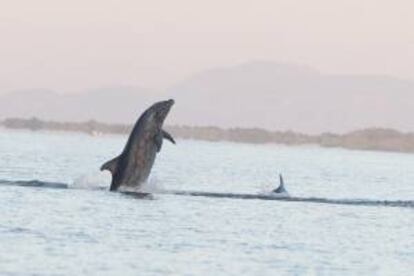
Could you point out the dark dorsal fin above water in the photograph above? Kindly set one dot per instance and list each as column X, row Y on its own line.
column 168, row 136
column 111, row 165
column 281, row 188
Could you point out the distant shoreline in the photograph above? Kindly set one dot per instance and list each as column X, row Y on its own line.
column 380, row 139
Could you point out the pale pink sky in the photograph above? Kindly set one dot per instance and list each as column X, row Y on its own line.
column 70, row 46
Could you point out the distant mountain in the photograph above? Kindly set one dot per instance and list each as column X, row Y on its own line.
column 287, row 97
column 256, row 94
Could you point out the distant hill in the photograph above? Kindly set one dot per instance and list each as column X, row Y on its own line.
column 267, row 95
column 282, row 97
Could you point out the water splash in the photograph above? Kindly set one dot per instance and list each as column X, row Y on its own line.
column 92, row 181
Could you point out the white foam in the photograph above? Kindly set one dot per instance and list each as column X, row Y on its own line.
column 91, row 181
column 150, row 186
column 153, row 185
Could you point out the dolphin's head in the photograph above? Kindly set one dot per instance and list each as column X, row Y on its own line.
column 156, row 114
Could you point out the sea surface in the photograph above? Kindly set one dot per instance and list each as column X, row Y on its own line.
column 87, row 230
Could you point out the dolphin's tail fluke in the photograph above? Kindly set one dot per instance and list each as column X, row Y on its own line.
column 281, row 189
column 111, row 165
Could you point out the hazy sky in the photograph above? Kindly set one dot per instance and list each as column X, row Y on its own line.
column 74, row 45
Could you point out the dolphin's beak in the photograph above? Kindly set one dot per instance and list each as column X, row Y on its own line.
column 171, row 102
column 168, row 104
column 162, row 109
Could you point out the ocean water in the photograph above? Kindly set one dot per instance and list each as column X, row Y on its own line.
column 86, row 230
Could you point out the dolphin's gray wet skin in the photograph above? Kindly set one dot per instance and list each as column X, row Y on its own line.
column 133, row 166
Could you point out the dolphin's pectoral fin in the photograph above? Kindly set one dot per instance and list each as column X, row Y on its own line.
column 111, row 165
column 159, row 138
column 158, row 141
column 168, row 136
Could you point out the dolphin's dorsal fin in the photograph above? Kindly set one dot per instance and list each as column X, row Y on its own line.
column 168, row 136
column 281, row 188
column 111, row 165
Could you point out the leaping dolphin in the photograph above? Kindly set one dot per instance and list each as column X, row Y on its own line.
column 133, row 166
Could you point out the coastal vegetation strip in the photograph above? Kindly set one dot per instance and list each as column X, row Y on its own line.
column 365, row 139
